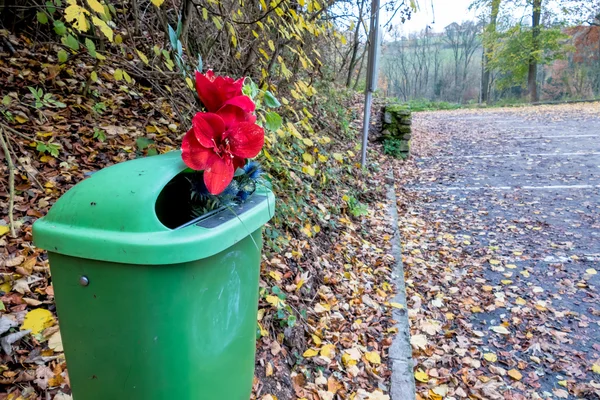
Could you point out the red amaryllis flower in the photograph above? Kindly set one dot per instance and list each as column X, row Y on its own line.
column 218, row 148
column 216, row 92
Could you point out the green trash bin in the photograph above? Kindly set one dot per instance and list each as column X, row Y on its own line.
column 149, row 309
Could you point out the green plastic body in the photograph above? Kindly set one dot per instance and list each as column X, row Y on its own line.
column 147, row 312
column 143, row 332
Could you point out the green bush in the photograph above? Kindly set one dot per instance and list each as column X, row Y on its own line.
column 392, row 147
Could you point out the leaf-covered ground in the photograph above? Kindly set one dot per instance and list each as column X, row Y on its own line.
column 324, row 321
column 500, row 218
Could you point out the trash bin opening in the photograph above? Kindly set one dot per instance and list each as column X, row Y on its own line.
column 173, row 207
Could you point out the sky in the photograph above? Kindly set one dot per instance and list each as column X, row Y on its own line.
column 443, row 14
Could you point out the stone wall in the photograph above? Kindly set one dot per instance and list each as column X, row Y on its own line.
column 396, row 125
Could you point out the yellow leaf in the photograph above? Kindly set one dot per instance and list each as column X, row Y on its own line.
column 275, row 275
column 142, row 56
column 94, row 76
column 310, row 353
column 316, row 339
column 308, row 142
column 511, row 266
column 307, row 169
column 118, row 74
column 189, row 82
column 516, row 375
column 596, row 368
column 308, row 158
column 328, row 351
column 263, row 331
column 520, row 301
column 562, row 383
column 77, row 14
column 6, row 287
column 273, row 300
column 127, row 77
column 217, row 22
column 397, row 305
column 37, row 320
column 104, row 28
column 491, row 357
column 591, row 271
column 4, row 230
column 421, row 376
column 271, row 45
column 494, row 262
column 158, row 3
column 118, row 39
column 21, row 119
column 96, row 6
column 373, row 357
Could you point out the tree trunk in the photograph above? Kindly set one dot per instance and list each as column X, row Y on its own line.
column 535, row 46
column 355, row 45
column 485, row 77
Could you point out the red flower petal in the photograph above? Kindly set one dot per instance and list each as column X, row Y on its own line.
column 219, row 174
column 208, row 92
column 243, row 102
column 228, row 87
column 238, row 162
column 245, row 139
column 195, row 155
column 208, row 128
column 214, row 91
column 233, row 115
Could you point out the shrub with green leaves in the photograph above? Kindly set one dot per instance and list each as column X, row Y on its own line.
column 392, row 147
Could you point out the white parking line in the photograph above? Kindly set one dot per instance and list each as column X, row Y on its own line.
column 593, row 153
column 553, row 137
column 472, row 188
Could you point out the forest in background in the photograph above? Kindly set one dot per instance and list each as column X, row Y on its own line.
column 517, row 51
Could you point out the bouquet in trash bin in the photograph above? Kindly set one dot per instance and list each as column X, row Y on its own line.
column 219, row 144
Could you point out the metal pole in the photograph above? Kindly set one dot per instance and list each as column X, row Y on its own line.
column 366, row 124
column 371, row 86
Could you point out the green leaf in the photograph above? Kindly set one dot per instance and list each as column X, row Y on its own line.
column 41, row 147
column 70, row 41
column 63, row 56
column 6, row 100
column 271, row 101
column 42, row 17
column 274, row 121
column 50, row 7
column 99, row 134
column 142, row 143
column 91, row 47
column 60, row 28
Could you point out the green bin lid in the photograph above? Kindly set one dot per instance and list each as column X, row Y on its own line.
column 112, row 216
